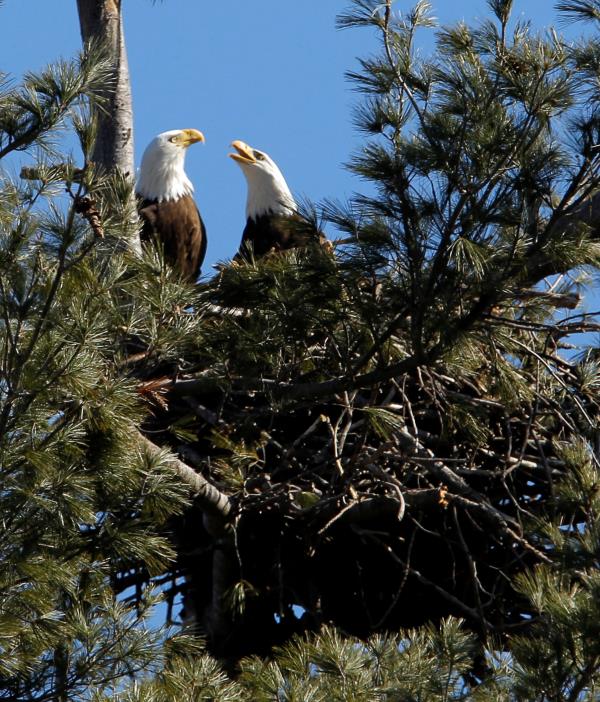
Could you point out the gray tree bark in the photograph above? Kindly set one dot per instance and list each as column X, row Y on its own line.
column 101, row 21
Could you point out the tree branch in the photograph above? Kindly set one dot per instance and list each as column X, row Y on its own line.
column 586, row 214
column 216, row 505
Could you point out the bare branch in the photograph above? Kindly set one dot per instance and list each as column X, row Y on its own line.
column 213, row 502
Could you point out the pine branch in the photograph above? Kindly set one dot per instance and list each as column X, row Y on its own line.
column 586, row 215
column 215, row 503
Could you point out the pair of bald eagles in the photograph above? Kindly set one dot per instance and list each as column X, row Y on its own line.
column 170, row 217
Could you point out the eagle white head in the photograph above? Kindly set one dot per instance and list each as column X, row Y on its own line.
column 162, row 176
column 268, row 193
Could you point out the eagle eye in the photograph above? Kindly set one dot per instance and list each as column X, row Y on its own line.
column 258, row 156
column 173, row 139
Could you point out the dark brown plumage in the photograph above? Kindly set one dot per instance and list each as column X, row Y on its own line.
column 168, row 213
column 273, row 233
column 176, row 226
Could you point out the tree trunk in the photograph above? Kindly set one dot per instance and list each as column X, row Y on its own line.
column 101, row 21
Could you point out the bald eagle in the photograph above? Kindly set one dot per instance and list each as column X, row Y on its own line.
column 166, row 207
column 272, row 221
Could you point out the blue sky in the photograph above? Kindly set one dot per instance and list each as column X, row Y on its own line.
column 269, row 72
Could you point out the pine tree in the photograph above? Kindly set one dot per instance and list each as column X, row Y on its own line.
column 79, row 493
column 102, row 23
column 389, row 422
column 370, row 475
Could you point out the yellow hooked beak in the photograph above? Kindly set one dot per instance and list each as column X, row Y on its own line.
column 244, row 153
column 187, row 137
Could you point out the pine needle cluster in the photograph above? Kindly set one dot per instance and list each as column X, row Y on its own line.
column 82, row 503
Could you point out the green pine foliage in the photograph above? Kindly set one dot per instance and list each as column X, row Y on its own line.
column 400, row 407
column 558, row 660
column 393, row 446
column 81, row 502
